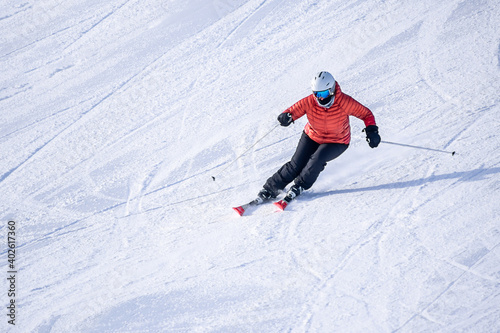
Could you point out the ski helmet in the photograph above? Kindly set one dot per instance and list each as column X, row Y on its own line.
column 323, row 87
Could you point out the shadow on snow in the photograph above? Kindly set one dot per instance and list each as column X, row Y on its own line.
column 473, row 175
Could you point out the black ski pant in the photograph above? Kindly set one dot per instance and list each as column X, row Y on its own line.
column 309, row 159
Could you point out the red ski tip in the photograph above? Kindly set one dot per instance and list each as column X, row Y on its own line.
column 239, row 210
column 281, row 204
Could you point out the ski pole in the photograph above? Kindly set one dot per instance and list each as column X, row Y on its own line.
column 237, row 158
column 418, row 147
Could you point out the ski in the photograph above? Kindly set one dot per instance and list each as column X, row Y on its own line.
column 281, row 204
column 241, row 209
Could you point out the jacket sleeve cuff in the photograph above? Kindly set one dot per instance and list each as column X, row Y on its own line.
column 370, row 120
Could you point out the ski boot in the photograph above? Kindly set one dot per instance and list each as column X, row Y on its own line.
column 292, row 193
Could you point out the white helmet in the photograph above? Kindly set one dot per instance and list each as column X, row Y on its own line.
column 323, row 87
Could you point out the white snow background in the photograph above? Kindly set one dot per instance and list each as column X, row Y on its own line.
column 115, row 115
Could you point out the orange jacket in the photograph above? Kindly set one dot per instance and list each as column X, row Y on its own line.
column 331, row 125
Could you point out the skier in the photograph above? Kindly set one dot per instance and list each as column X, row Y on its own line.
column 325, row 137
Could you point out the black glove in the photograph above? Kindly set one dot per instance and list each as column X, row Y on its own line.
column 285, row 119
column 372, row 136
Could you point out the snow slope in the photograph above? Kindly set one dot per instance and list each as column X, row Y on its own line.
column 114, row 117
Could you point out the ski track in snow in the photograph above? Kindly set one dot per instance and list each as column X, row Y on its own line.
column 112, row 134
column 65, row 130
column 84, row 117
column 422, row 312
column 372, row 233
column 428, row 37
column 96, row 24
column 253, row 14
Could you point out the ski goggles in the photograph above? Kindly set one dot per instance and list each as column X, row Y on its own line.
column 322, row 94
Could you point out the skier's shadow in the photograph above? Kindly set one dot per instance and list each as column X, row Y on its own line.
column 464, row 176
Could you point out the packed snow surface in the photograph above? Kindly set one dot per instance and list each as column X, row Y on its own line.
column 115, row 116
